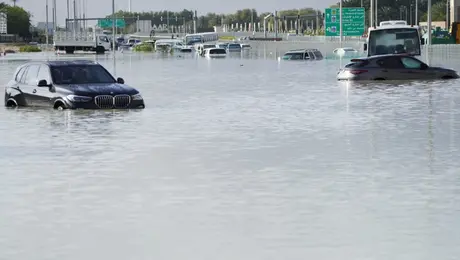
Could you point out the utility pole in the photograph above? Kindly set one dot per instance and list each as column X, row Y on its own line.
column 47, row 26
column 376, row 12
column 371, row 15
column 341, row 24
column 276, row 23
column 52, row 14
column 68, row 14
column 113, row 35
column 410, row 14
column 447, row 14
column 416, row 12
column 74, row 18
column 167, row 20
column 317, row 23
column 194, row 22
column 252, row 21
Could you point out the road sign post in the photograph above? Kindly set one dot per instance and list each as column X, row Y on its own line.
column 107, row 23
column 352, row 21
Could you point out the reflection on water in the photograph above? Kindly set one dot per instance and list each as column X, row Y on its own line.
column 240, row 158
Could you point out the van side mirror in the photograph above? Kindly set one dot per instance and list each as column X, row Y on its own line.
column 120, row 81
column 365, row 47
column 422, row 41
column 42, row 83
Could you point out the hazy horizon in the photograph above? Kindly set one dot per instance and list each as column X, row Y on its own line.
column 100, row 9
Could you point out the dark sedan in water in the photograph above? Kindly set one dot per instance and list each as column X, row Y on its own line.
column 392, row 67
column 78, row 84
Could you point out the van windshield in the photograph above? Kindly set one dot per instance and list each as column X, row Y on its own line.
column 80, row 74
column 393, row 41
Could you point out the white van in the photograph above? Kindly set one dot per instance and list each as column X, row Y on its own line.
column 215, row 53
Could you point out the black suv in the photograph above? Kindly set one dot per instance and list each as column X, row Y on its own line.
column 69, row 85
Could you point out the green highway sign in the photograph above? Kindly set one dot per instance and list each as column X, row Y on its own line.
column 107, row 23
column 352, row 21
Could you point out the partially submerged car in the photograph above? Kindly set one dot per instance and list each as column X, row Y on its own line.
column 75, row 84
column 392, row 67
column 346, row 52
column 303, row 54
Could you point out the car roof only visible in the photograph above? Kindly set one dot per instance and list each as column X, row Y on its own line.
column 58, row 63
column 385, row 55
column 71, row 62
column 301, row 50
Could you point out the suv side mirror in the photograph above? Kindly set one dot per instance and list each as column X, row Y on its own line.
column 120, row 81
column 422, row 41
column 365, row 47
column 43, row 83
column 423, row 66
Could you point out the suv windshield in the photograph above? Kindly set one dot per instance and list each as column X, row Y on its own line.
column 80, row 74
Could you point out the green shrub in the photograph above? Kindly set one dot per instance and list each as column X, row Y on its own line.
column 143, row 48
column 29, row 48
column 227, row 38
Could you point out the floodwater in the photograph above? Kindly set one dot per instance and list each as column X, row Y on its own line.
column 236, row 158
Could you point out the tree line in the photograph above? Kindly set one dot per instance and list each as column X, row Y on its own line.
column 387, row 10
column 209, row 20
column 17, row 21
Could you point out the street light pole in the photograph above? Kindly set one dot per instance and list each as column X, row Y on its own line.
column 371, row 15
column 341, row 29
column 411, row 5
column 113, row 35
column 47, row 26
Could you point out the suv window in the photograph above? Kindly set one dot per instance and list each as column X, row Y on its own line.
column 19, row 74
column 410, row 63
column 31, row 77
column 318, row 55
column 294, row 56
column 44, row 73
column 23, row 75
column 390, row 63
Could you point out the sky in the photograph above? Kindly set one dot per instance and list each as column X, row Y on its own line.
column 101, row 8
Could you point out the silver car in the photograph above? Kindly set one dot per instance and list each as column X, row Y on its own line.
column 392, row 67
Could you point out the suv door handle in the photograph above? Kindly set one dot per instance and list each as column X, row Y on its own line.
column 34, row 91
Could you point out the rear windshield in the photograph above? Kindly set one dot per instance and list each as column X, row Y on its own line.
column 357, row 64
column 80, row 74
column 234, row 46
column 217, row 51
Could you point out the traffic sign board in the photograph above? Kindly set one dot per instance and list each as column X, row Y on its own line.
column 353, row 21
column 107, row 23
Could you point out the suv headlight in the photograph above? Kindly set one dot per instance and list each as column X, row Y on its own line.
column 75, row 98
column 136, row 97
